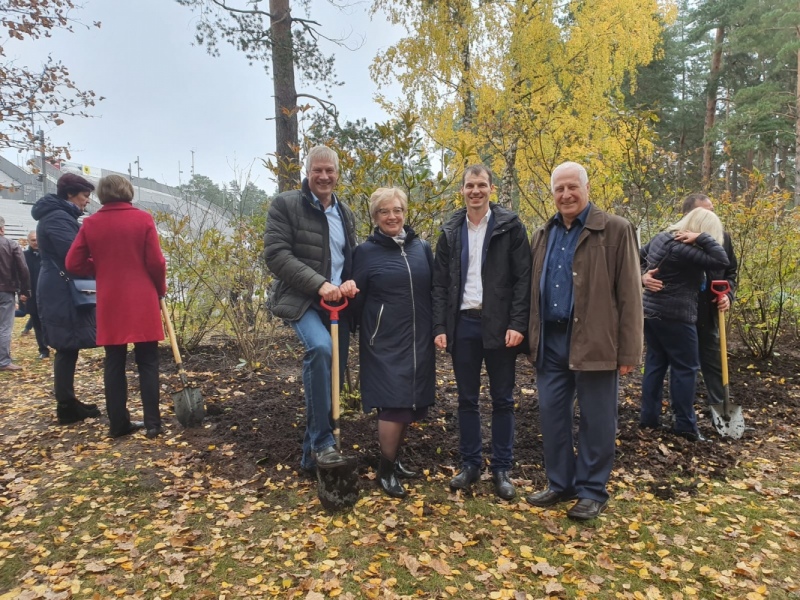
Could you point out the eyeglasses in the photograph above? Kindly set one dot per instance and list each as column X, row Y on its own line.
column 385, row 212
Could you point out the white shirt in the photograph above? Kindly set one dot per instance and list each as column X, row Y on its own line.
column 473, row 287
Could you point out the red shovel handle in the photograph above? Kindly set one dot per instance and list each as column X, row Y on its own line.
column 720, row 287
column 334, row 310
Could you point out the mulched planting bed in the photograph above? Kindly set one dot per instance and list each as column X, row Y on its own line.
column 256, row 421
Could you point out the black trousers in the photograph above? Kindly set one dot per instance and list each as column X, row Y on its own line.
column 36, row 324
column 64, row 376
column 116, row 385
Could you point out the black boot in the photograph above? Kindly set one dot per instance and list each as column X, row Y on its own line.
column 402, row 472
column 388, row 479
column 86, row 411
column 67, row 413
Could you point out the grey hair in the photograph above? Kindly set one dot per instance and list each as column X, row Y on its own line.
column 583, row 176
column 382, row 195
column 2, row 222
column 700, row 220
column 323, row 153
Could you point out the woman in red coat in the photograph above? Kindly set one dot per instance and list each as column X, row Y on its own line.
column 119, row 246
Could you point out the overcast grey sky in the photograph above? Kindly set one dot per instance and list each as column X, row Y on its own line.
column 166, row 97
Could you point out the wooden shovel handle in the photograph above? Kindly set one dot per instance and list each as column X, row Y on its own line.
column 171, row 334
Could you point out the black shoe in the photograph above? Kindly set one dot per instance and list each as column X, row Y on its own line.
column 692, row 436
column 133, row 427
column 503, row 487
column 388, row 480
column 154, row 432
column 44, row 355
column 330, row 458
column 87, row 411
column 402, row 472
column 548, row 497
column 67, row 415
column 310, row 472
column 586, row 509
column 468, row 475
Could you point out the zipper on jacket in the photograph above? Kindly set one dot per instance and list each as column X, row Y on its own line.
column 413, row 324
column 377, row 326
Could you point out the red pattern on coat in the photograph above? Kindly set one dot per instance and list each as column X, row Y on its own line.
column 119, row 246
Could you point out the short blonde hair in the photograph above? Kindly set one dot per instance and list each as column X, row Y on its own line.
column 114, row 188
column 701, row 220
column 383, row 195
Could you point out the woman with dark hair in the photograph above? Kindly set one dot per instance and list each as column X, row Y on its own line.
column 65, row 327
column 393, row 270
column 119, row 245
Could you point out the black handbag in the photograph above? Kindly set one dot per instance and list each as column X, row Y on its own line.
column 83, row 291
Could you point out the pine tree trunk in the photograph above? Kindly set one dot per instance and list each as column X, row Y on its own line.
column 797, row 134
column 711, row 108
column 286, row 140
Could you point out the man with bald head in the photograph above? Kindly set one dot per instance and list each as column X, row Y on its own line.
column 585, row 329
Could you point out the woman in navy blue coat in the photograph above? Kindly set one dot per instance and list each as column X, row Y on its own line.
column 65, row 327
column 393, row 270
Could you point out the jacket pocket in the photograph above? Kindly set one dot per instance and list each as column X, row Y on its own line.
column 377, row 325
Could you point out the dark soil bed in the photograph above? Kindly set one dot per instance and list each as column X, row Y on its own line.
column 256, row 421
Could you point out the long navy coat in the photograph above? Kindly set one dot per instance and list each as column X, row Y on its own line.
column 64, row 326
column 396, row 351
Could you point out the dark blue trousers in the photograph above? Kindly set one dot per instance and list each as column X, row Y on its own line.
column 673, row 345
column 468, row 356
column 586, row 474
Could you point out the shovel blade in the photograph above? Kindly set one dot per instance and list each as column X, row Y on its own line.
column 728, row 423
column 189, row 407
column 337, row 488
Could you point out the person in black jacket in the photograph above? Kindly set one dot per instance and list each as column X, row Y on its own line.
column 481, row 304
column 65, row 327
column 34, row 262
column 308, row 246
column 679, row 258
column 708, row 308
column 393, row 270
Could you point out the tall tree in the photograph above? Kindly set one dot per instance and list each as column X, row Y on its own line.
column 33, row 98
column 544, row 78
column 284, row 43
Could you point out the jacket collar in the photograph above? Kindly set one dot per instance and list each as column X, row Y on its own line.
column 502, row 217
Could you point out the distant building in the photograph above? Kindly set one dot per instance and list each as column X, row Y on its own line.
column 20, row 189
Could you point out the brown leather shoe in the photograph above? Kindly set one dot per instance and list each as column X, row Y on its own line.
column 586, row 509
column 548, row 497
column 11, row 367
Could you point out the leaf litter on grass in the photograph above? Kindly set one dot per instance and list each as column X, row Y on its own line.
column 221, row 512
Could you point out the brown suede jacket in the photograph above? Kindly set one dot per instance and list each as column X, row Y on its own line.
column 14, row 276
column 607, row 317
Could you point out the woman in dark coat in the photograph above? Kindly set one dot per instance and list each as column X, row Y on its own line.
column 681, row 255
column 65, row 328
column 393, row 270
column 119, row 244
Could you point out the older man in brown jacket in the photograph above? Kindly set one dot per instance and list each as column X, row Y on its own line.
column 14, row 278
column 585, row 330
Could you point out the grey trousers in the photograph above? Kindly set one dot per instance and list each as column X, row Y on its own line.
column 6, row 326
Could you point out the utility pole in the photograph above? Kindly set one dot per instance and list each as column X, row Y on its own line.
column 138, row 179
column 179, row 174
column 192, row 163
column 44, row 164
